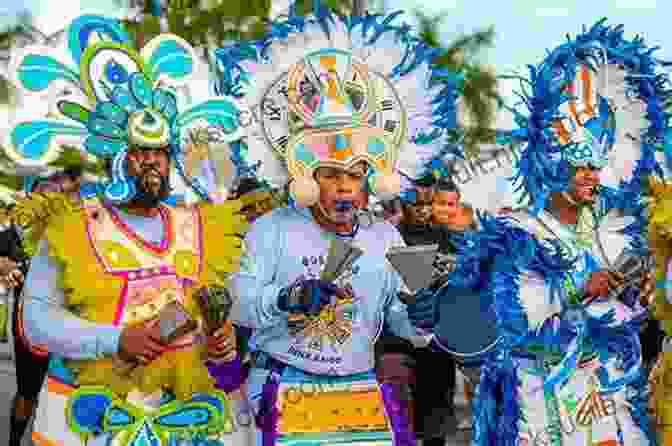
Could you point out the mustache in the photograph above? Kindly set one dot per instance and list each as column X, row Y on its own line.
column 146, row 195
column 147, row 169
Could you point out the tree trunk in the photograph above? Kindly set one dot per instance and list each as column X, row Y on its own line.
column 358, row 7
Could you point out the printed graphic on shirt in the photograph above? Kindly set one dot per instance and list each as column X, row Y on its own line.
column 327, row 331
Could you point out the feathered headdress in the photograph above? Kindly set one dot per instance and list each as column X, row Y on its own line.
column 570, row 102
column 326, row 90
column 124, row 98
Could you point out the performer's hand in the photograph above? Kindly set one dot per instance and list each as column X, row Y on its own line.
column 601, row 282
column 647, row 293
column 655, row 379
column 7, row 265
column 422, row 309
column 14, row 279
column 307, row 296
column 141, row 343
column 222, row 343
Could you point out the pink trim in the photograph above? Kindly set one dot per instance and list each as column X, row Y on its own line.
column 61, row 382
column 198, row 220
column 122, row 300
column 164, row 271
column 168, row 230
column 92, row 242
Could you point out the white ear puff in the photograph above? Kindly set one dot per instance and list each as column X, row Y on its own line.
column 304, row 191
column 386, row 186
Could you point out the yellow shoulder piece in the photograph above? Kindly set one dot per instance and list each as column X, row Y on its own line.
column 223, row 227
column 660, row 241
column 36, row 211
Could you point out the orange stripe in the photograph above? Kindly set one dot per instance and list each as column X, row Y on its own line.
column 342, row 154
column 37, row 350
column 58, row 387
column 39, row 440
column 587, row 78
column 563, row 134
column 571, row 89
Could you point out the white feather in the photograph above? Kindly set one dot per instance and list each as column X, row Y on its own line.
column 381, row 57
column 630, row 123
column 340, row 37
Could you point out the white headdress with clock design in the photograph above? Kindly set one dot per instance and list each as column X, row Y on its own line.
column 325, row 90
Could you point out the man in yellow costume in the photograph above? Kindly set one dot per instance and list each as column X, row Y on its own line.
column 660, row 241
column 124, row 291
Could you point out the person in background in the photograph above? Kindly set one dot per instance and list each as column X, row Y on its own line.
column 450, row 213
column 5, row 267
column 31, row 364
column 30, row 369
column 432, row 387
column 257, row 200
column 393, row 211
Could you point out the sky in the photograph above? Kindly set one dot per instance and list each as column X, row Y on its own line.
column 525, row 29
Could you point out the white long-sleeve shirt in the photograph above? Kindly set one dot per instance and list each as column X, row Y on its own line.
column 287, row 245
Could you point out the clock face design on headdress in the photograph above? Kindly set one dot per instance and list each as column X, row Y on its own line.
column 328, row 89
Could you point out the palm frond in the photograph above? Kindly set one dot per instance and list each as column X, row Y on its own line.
column 341, row 7
column 479, row 85
column 72, row 157
column 6, row 90
column 9, row 181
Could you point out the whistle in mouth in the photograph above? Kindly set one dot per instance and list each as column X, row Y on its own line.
column 342, row 205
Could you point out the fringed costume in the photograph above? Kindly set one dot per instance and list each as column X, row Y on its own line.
column 660, row 242
column 98, row 269
column 329, row 91
column 568, row 367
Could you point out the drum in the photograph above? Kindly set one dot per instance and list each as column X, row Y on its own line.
column 467, row 324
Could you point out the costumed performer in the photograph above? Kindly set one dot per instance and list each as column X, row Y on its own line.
column 337, row 97
column 570, row 271
column 660, row 241
column 124, row 291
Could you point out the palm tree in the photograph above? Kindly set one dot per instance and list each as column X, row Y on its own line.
column 479, row 87
column 209, row 23
column 7, row 39
column 203, row 23
column 339, row 6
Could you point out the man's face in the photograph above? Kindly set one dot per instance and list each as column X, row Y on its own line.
column 151, row 168
column 583, row 184
column 446, row 207
column 420, row 212
column 393, row 213
column 340, row 191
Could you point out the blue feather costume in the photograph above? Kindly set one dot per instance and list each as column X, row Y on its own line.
column 567, row 370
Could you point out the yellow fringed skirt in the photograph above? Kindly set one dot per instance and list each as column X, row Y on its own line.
column 181, row 371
